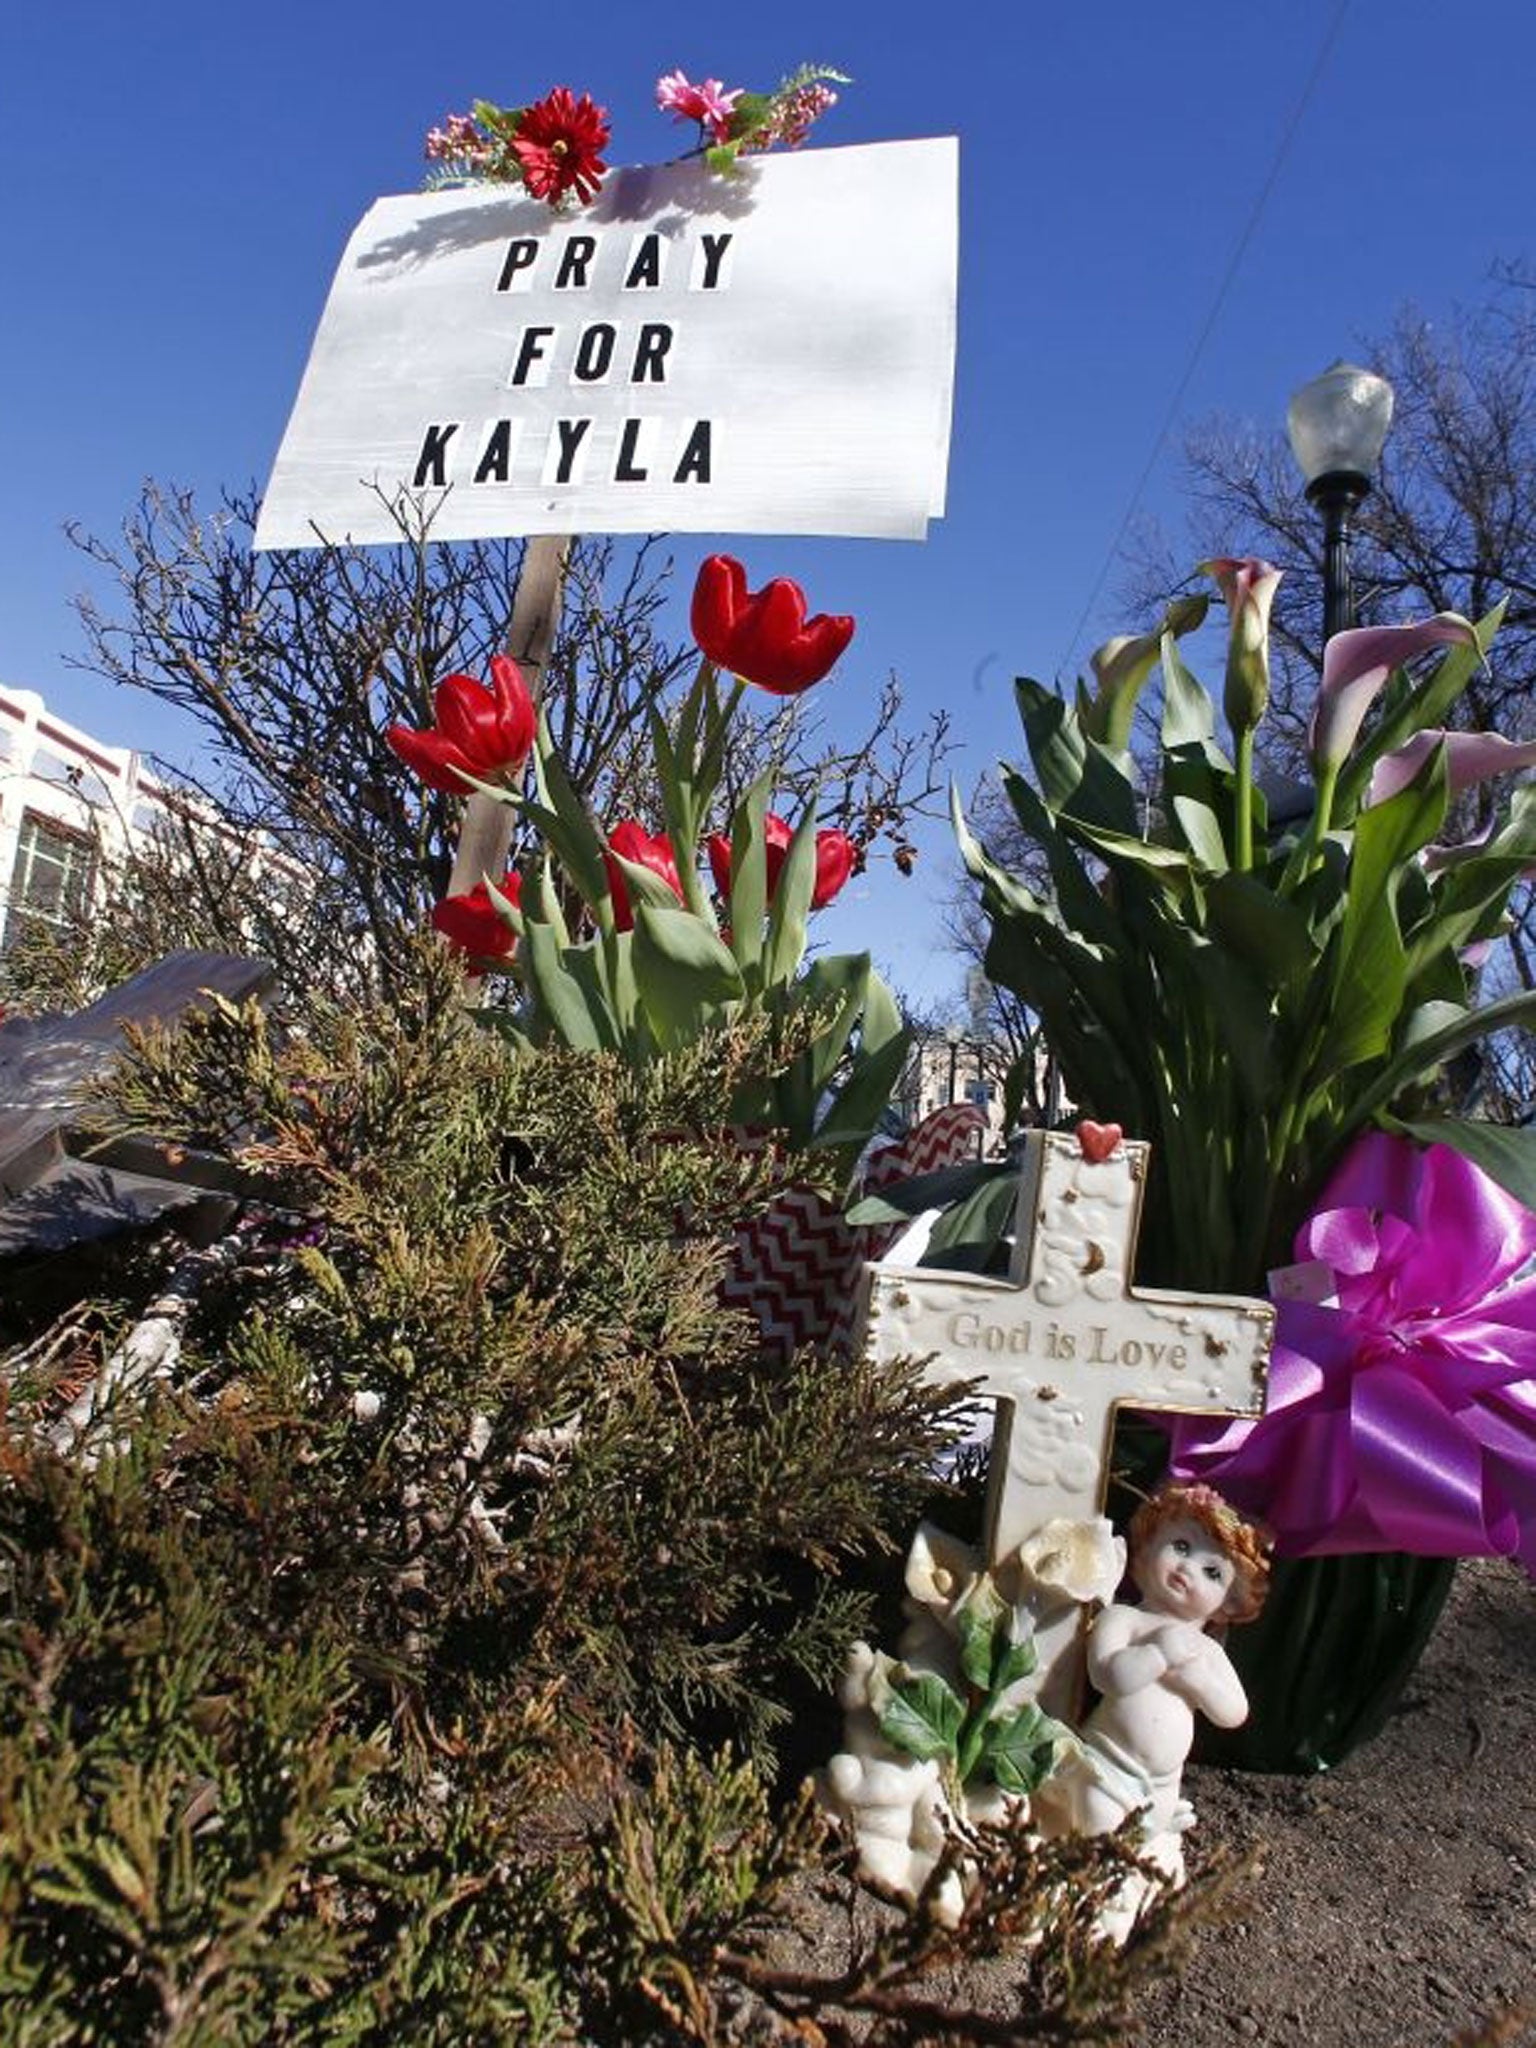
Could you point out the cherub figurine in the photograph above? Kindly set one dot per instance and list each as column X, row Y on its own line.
column 1194, row 1560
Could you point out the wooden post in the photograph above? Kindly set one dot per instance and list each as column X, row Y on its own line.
column 486, row 833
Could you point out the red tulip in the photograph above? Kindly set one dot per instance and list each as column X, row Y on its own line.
column 763, row 635
column 777, row 835
column 836, row 858
column 630, row 840
column 481, row 733
column 473, row 925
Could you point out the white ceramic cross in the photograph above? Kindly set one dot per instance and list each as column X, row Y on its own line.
column 1065, row 1340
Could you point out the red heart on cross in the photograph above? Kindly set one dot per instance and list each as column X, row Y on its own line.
column 1097, row 1141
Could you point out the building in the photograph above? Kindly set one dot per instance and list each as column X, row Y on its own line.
column 68, row 802
column 71, row 805
column 945, row 1067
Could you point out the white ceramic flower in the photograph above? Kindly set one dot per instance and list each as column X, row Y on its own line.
column 1079, row 1561
column 940, row 1568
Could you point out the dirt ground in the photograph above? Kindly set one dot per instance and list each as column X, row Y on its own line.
column 1396, row 1902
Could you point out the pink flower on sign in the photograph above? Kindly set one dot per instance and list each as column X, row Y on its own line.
column 709, row 103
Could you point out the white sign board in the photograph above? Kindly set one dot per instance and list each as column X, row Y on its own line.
column 769, row 353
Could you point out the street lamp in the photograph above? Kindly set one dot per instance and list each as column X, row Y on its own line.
column 1338, row 425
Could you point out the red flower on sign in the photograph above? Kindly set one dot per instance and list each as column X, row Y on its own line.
column 558, row 143
column 481, row 733
column 764, row 635
column 836, row 858
column 630, row 840
column 473, row 925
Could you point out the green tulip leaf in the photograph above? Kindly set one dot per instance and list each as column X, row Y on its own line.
column 749, row 874
column 571, row 1002
column 899, row 1201
column 561, row 818
column 966, row 1236
column 857, row 1106
column 643, row 885
column 685, row 975
column 547, row 904
column 789, row 914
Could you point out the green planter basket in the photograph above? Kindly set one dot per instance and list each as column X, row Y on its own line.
column 1326, row 1662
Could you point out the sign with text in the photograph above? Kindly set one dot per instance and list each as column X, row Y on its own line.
column 767, row 353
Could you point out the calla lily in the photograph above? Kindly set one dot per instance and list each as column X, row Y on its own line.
column 1355, row 665
column 1248, row 586
column 1470, row 758
column 1122, row 665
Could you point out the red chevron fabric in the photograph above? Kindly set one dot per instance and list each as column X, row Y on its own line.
column 796, row 1265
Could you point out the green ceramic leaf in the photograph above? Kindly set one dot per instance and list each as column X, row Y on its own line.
column 1020, row 1754
column 977, row 1624
column 1014, row 1657
column 923, row 1715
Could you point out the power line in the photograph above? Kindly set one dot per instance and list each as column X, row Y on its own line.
column 1234, row 263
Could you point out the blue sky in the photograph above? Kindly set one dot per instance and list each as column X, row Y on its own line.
column 183, row 179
